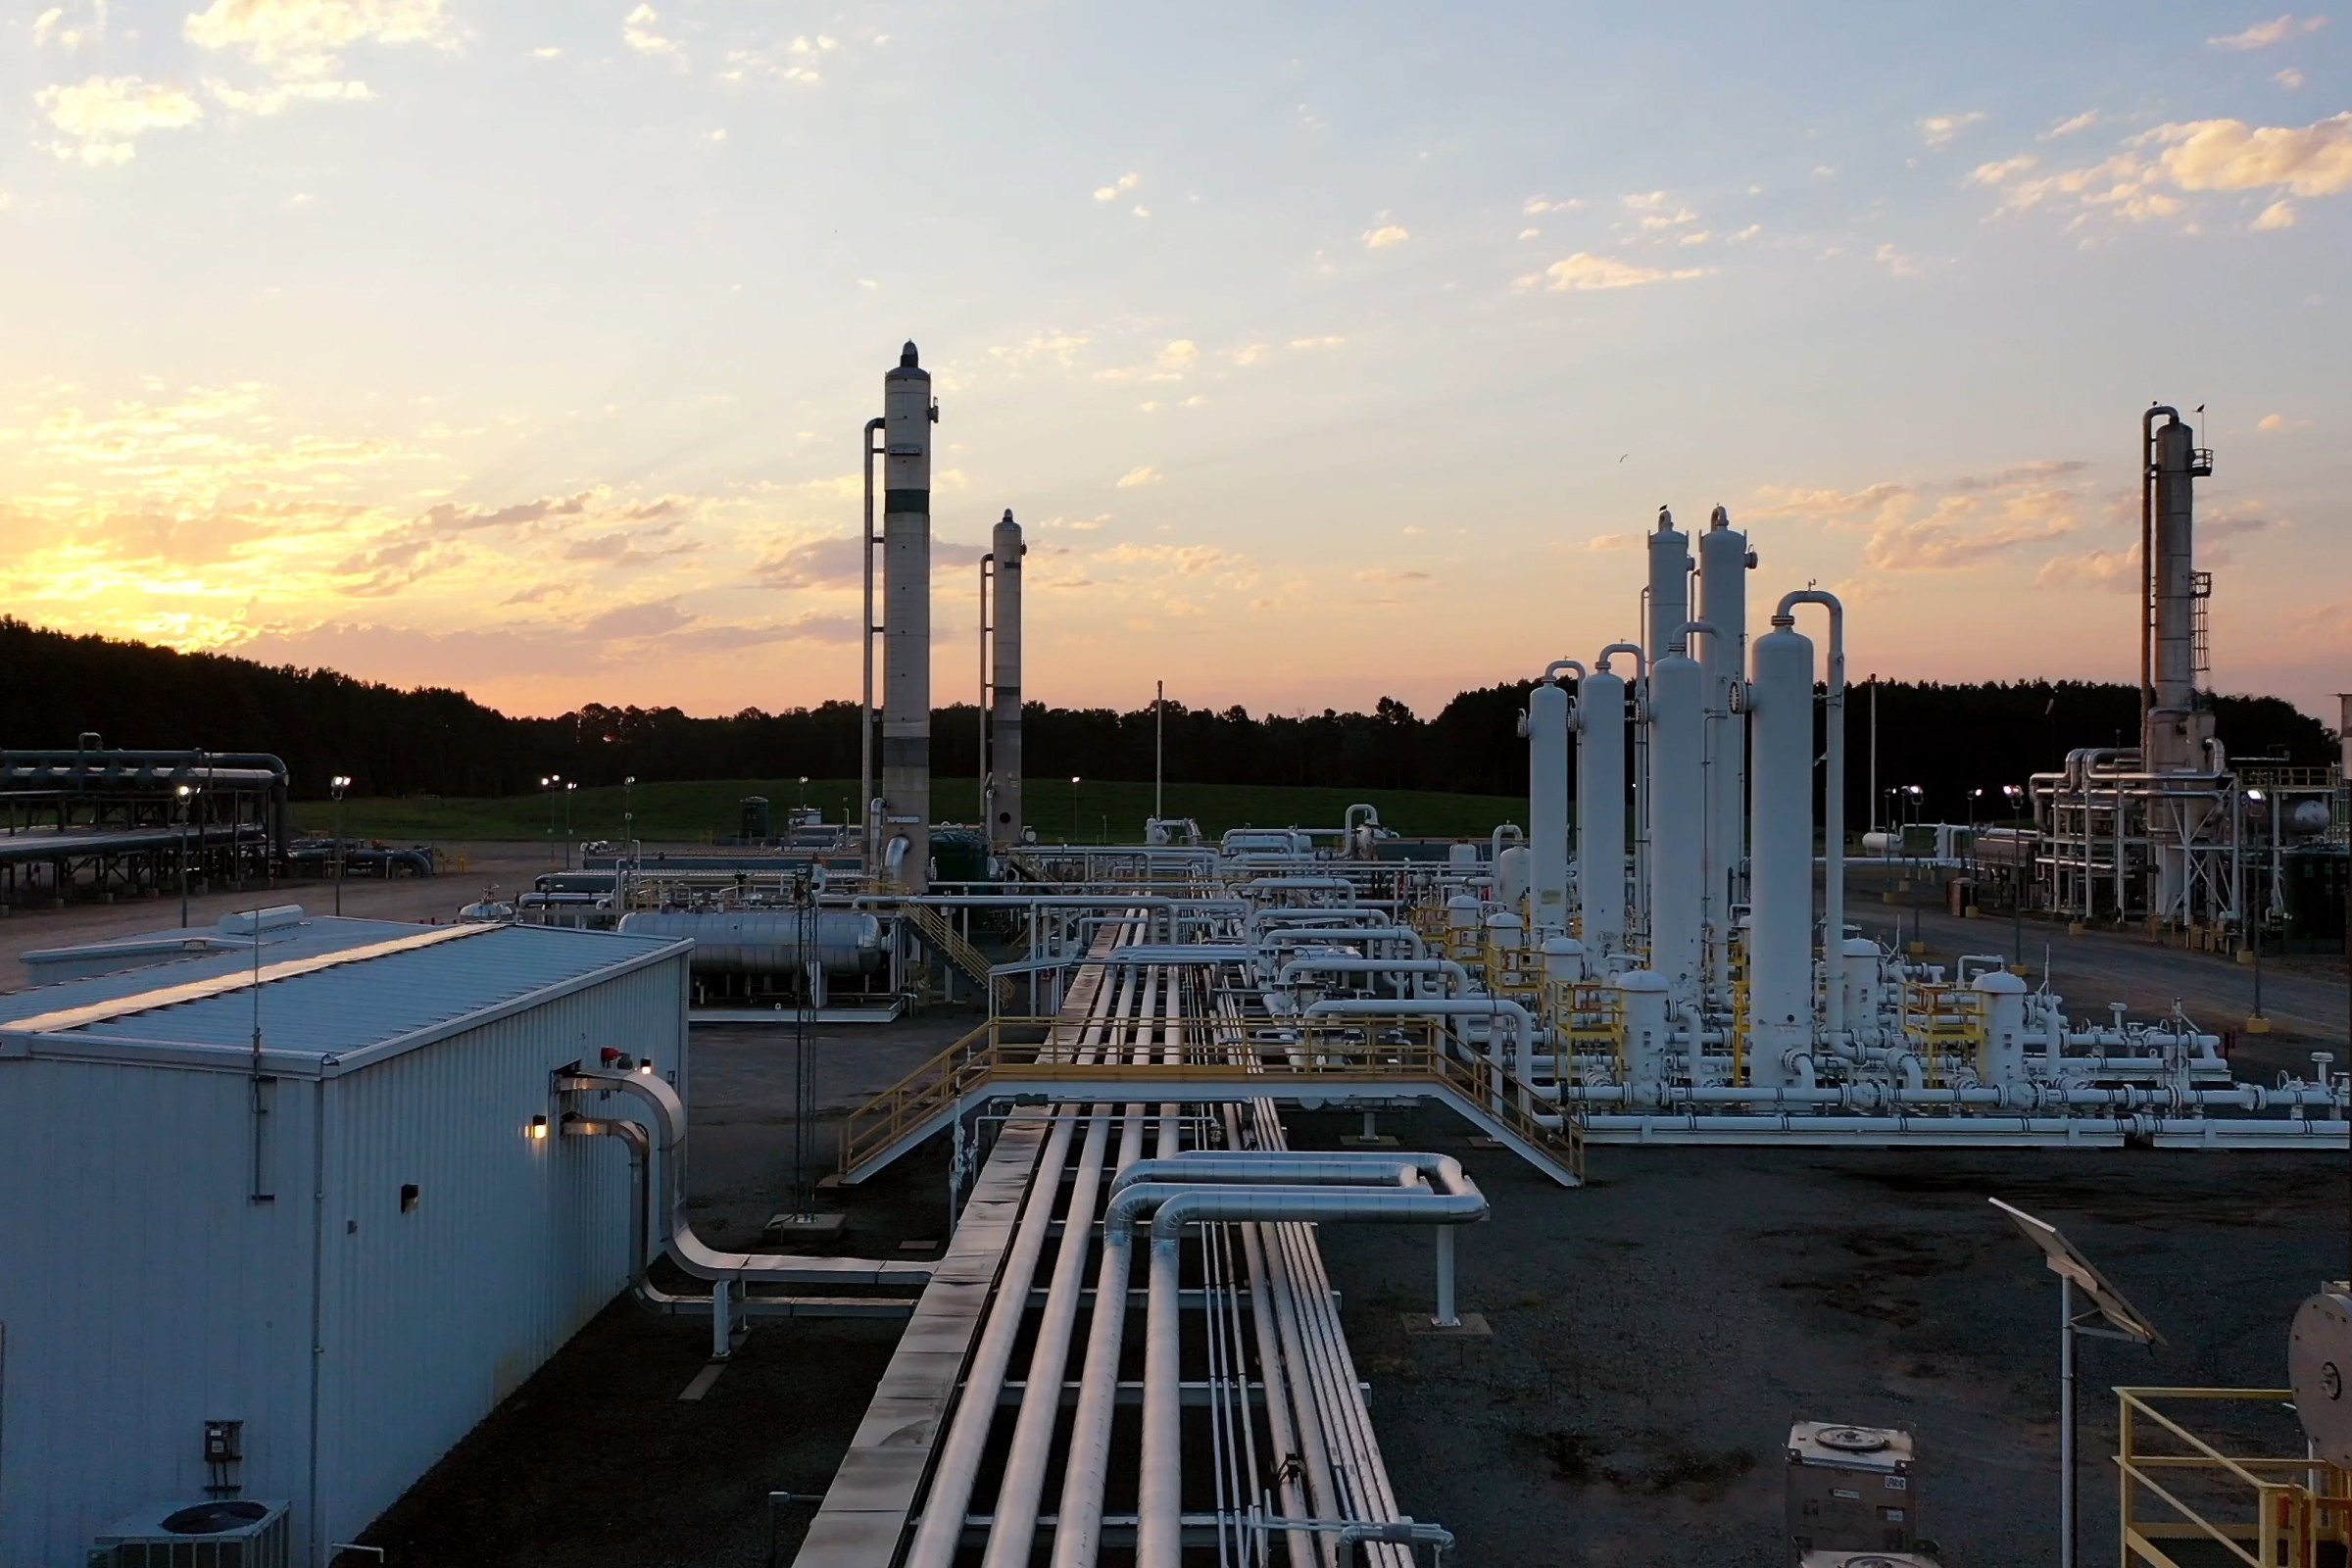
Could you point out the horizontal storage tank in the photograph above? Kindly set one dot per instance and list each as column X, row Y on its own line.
column 767, row 941
column 356, row 1242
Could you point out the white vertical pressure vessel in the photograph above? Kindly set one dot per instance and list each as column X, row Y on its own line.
column 907, row 622
column 2002, row 996
column 1723, row 566
column 1779, row 940
column 1548, row 806
column 1601, row 811
column 1865, row 990
column 1005, row 827
column 1648, row 1036
column 1512, row 868
column 1677, row 821
column 1669, row 585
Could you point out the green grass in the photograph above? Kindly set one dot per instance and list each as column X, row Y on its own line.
column 1113, row 812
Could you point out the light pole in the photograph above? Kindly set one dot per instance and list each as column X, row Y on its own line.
column 547, row 785
column 337, row 786
column 1918, row 943
column 2017, row 886
column 181, row 811
column 628, row 816
column 1073, row 807
column 2256, row 1023
column 568, row 786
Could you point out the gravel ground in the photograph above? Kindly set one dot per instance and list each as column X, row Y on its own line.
column 1655, row 1335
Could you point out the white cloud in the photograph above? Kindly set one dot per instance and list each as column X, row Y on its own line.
column 104, row 117
column 306, row 37
column 2290, row 79
column 1387, row 234
column 1897, row 262
column 1747, row 234
column 2072, row 123
column 272, row 99
column 1585, row 271
column 1143, row 473
column 1993, row 174
column 2279, row 214
column 1118, row 187
column 2263, row 35
column 1531, row 233
column 1141, row 211
column 2314, row 160
column 720, row 134
column 1179, row 354
column 551, row 52
column 63, row 26
column 1937, row 130
column 1700, row 237
column 1331, row 340
column 1537, row 206
column 640, row 30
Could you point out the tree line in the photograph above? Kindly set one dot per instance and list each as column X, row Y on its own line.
column 1947, row 739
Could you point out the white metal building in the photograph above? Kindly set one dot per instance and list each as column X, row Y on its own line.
column 345, row 1236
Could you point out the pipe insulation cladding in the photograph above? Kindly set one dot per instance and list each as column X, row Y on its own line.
column 907, row 416
column 1779, row 937
column 1548, row 806
column 767, row 941
column 1006, row 821
column 1601, row 810
column 1677, row 820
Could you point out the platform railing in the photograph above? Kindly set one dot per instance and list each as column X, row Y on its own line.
column 1376, row 1051
column 2177, row 1488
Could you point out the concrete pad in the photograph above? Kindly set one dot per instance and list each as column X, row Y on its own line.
column 1473, row 1326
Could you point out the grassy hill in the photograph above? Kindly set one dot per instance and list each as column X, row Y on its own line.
column 1107, row 813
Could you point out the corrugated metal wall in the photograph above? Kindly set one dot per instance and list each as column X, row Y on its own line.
column 434, row 1316
column 142, row 1291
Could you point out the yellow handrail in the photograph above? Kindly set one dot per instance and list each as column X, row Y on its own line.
column 2271, row 1512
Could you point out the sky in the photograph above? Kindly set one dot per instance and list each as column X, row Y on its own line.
column 1325, row 352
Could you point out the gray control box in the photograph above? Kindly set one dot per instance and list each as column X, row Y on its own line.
column 1852, row 1490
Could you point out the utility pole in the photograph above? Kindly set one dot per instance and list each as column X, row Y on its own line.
column 337, row 785
column 1159, row 731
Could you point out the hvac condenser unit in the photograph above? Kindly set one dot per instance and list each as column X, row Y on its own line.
column 1851, row 1492
column 219, row 1532
column 1867, row 1559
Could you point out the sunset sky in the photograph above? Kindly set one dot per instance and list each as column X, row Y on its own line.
column 1327, row 351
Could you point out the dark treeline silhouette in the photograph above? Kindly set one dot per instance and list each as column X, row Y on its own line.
column 1947, row 739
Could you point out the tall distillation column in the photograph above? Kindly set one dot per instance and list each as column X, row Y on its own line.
column 1780, row 936
column 1004, row 664
column 1677, row 821
column 1669, row 596
column 2175, row 728
column 1548, row 807
column 1723, row 561
column 905, row 830
column 1601, row 810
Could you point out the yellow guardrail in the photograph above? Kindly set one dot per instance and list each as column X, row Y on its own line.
column 2263, row 1511
column 1372, row 1051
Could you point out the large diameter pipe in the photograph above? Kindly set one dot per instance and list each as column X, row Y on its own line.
column 1677, row 822
column 1780, row 936
column 1601, row 810
column 1548, row 807
column 907, row 412
column 1006, row 821
column 1158, row 1512
column 767, row 941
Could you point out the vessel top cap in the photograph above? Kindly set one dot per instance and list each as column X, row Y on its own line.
column 907, row 359
column 1008, row 513
column 1665, row 518
column 1722, row 517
